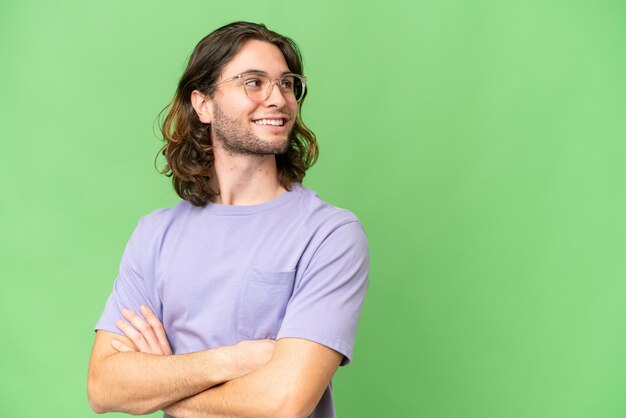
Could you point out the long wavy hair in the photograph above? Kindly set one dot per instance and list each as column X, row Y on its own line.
column 188, row 147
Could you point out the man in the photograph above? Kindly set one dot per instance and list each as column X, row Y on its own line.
column 243, row 299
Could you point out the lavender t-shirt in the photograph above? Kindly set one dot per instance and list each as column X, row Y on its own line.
column 291, row 267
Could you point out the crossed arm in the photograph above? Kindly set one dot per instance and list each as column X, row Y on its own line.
column 138, row 374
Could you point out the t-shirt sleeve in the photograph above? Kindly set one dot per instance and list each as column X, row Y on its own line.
column 134, row 284
column 326, row 303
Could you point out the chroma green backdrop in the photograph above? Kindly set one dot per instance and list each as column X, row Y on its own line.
column 481, row 143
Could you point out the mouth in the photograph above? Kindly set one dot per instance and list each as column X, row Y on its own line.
column 271, row 122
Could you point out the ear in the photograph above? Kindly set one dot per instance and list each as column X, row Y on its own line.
column 203, row 106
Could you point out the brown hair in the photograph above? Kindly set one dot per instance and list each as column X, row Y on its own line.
column 188, row 147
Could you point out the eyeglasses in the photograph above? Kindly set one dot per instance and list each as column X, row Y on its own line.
column 258, row 86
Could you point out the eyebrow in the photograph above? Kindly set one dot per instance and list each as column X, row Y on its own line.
column 254, row 70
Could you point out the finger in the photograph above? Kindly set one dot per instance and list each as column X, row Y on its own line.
column 121, row 347
column 146, row 331
column 158, row 329
column 133, row 335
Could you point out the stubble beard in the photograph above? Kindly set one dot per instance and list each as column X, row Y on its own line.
column 235, row 139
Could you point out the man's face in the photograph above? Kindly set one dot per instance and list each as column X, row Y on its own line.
column 242, row 126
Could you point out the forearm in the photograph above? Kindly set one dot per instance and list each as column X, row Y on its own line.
column 140, row 383
column 259, row 394
column 290, row 385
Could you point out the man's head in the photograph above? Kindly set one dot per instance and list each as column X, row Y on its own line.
column 205, row 82
column 253, row 105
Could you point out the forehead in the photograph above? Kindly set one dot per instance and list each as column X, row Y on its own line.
column 256, row 55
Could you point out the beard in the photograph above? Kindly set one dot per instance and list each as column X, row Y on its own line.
column 235, row 139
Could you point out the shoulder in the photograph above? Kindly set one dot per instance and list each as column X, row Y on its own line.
column 320, row 212
column 328, row 225
column 155, row 225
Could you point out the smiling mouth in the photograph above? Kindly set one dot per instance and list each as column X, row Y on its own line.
column 273, row 122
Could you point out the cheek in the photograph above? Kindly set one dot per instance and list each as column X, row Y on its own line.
column 293, row 110
column 238, row 108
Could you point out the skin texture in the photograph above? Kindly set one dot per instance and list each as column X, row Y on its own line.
column 232, row 114
column 236, row 140
column 242, row 175
column 136, row 372
column 149, row 339
column 289, row 385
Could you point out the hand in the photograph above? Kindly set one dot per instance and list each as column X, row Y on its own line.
column 148, row 337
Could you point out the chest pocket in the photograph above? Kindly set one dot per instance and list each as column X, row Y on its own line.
column 263, row 303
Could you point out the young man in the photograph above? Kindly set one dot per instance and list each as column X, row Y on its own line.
column 243, row 299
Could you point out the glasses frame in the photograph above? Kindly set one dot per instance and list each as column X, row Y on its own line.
column 270, row 87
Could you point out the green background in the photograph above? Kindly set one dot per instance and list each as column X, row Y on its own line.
column 481, row 143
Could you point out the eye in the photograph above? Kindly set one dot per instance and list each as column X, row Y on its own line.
column 253, row 83
column 286, row 83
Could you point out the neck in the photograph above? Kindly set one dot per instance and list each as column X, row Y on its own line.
column 245, row 179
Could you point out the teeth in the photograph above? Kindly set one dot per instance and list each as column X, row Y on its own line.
column 275, row 122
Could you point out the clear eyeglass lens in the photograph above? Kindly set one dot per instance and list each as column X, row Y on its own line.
column 258, row 86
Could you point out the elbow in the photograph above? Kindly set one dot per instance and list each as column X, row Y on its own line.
column 292, row 411
column 292, row 404
column 100, row 401
column 99, row 406
column 97, row 394
column 99, row 397
column 95, row 398
column 96, row 407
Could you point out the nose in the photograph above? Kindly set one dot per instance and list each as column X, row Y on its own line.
column 275, row 96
